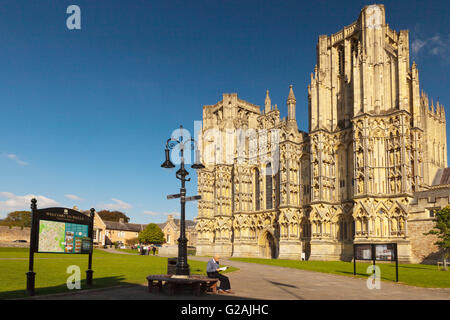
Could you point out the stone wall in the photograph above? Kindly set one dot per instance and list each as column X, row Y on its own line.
column 15, row 233
column 423, row 249
column 10, row 244
column 168, row 250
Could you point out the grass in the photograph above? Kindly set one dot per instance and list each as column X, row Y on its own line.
column 411, row 274
column 110, row 269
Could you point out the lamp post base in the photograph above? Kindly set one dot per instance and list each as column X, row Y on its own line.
column 183, row 270
column 182, row 267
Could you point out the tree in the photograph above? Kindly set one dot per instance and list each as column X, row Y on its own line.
column 113, row 216
column 17, row 219
column 151, row 234
column 442, row 230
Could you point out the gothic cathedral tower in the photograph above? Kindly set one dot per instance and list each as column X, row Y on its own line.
column 374, row 140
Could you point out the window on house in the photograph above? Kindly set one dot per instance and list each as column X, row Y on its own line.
column 432, row 212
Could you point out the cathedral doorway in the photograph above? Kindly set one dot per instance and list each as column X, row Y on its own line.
column 268, row 246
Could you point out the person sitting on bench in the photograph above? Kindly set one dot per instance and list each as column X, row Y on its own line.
column 212, row 270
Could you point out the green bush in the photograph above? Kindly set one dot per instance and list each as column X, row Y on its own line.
column 151, row 234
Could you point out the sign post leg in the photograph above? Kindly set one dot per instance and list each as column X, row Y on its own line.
column 31, row 275
column 89, row 276
column 396, row 263
column 354, row 260
column 89, row 271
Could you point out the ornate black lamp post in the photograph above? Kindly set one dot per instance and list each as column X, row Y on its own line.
column 182, row 267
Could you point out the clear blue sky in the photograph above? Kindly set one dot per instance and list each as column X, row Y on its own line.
column 85, row 113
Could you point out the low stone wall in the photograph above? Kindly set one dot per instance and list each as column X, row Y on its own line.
column 168, row 250
column 8, row 234
column 5, row 244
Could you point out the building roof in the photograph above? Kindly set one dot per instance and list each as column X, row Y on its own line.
column 189, row 223
column 136, row 227
column 114, row 225
column 161, row 225
column 442, row 177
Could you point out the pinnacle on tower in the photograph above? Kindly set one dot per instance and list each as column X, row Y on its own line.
column 267, row 103
column 291, row 97
column 291, row 102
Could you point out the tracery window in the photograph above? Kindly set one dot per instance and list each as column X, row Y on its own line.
column 269, row 190
column 257, row 189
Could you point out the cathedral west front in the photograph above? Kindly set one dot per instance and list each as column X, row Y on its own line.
column 375, row 143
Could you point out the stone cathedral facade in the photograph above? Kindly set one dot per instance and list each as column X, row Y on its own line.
column 374, row 140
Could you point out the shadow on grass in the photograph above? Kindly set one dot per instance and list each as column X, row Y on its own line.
column 98, row 283
column 351, row 273
column 413, row 267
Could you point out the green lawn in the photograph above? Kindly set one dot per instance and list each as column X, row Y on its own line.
column 110, row 269
column 410, row 274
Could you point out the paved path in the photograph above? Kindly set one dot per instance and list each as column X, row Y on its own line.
column 112, row 250
column 257, row 281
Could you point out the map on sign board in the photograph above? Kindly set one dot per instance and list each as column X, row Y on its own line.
column 63, row 237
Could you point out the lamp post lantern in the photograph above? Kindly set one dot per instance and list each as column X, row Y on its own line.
column 182, row 267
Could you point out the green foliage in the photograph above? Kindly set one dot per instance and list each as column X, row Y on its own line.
column 17, row 219
column 107, row 215
column 442, row 228
column 151, row 234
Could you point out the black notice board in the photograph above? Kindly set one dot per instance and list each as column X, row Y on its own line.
column 59, row 230
column 375, row 252
column 62, row 230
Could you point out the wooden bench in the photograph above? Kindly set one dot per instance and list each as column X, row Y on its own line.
column 199, row 284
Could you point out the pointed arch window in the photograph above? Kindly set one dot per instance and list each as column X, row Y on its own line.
column 341, row 60
column 257, row 189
